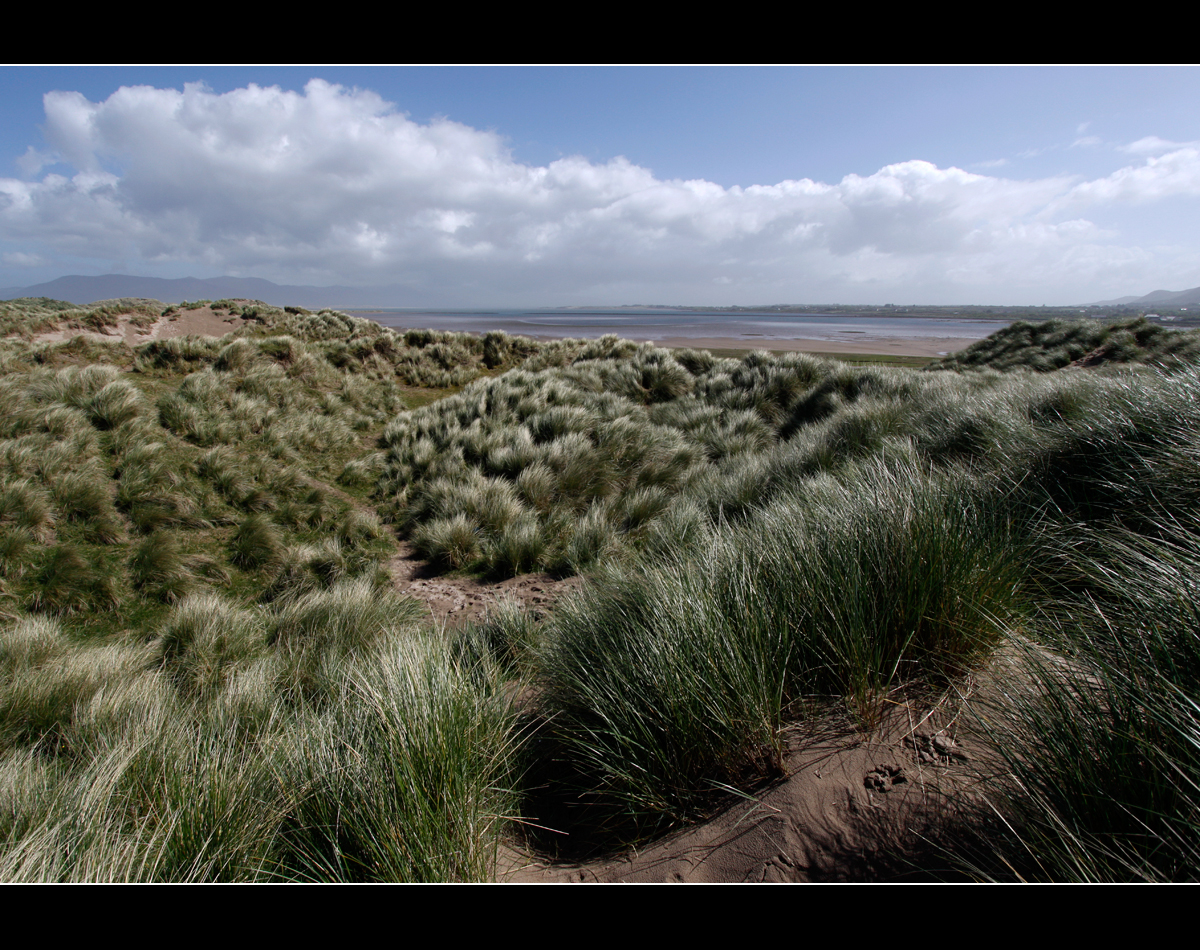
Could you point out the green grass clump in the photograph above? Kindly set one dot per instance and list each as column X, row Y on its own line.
column 69, row 582
column 667, row 682
column 205, row 640
column 159, row 568
column 1055, row 344
column 428, row 803
column 193, row 760
column 1099, row 732
column 256, row 543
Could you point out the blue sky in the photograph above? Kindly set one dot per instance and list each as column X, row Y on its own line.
column 499, row 186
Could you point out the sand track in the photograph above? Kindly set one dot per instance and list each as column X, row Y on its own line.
column 200, row 322
column 854, row 806
column 454, row 599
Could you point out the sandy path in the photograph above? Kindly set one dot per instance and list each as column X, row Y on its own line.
column 454, row 599
column 199, row 322
column 854, row 807
column 202, row 322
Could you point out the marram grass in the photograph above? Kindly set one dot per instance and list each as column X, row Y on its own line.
column 203, row 675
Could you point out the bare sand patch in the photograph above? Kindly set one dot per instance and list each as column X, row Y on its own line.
column 906, row 800
column 854, row 806
column 202, row 321
column 455, row 599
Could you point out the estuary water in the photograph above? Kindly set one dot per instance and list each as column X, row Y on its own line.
column 747, row 328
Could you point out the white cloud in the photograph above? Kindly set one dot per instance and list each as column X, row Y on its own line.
column 21, row 259
column 1153, row 145
column 34, row 161
column 1175, row 174
column 336, row 185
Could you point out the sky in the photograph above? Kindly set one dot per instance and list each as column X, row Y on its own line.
column 576, row 186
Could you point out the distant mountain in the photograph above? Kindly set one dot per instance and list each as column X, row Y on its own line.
column 82, row 290
column 1180, row 298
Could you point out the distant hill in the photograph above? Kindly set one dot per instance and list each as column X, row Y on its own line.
column 1180, row 298
column 82, row 290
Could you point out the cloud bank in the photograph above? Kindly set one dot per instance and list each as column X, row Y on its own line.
column 335, row 185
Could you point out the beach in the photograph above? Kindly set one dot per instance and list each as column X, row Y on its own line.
column 865, row 334
column 890, row 346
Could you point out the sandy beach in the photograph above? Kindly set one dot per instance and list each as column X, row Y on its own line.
column 921, row 346
column 865, row 334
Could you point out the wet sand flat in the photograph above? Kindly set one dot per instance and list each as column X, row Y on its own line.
column 921, row 346
column 850, row 334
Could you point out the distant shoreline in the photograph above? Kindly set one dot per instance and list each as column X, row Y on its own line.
column 927, row 346
column 867, row 336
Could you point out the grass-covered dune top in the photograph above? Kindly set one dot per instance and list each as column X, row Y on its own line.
column 592, row 452
column 28, row 316
column 206, row 673
column 135, row 475
column 1055, row 344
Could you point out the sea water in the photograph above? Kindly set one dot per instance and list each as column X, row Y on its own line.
column 748, row 328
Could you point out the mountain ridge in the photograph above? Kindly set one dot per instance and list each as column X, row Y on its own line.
column 79, row 289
